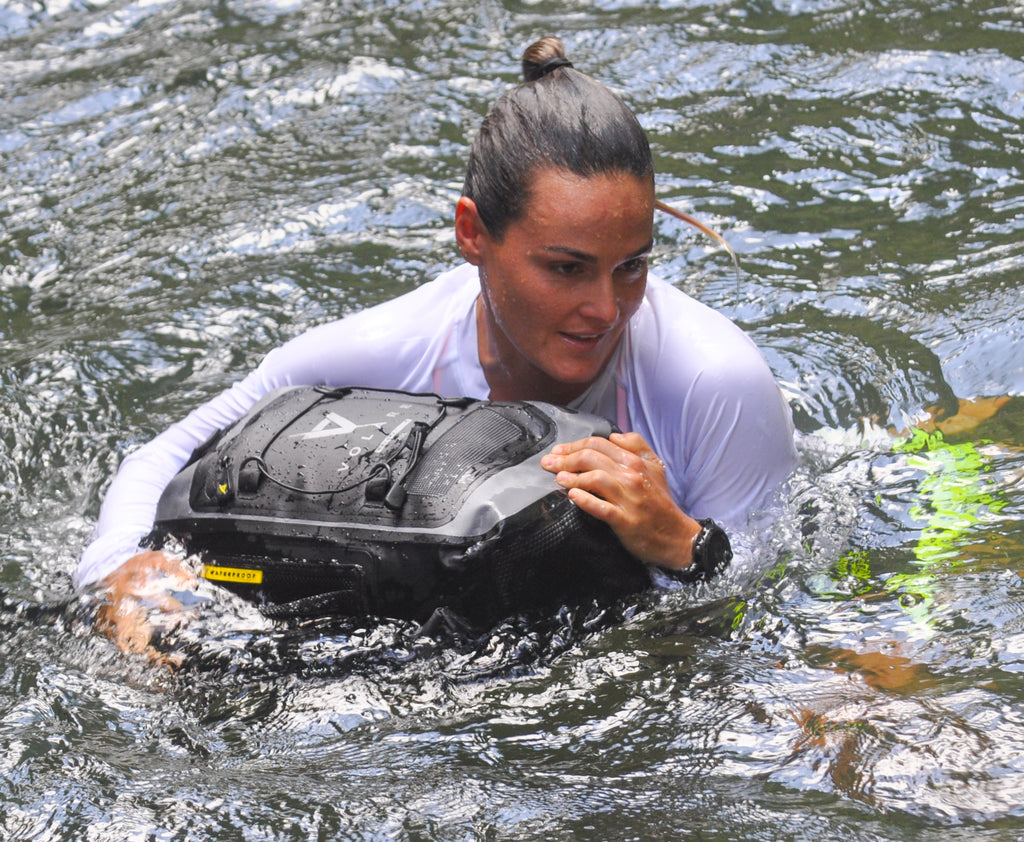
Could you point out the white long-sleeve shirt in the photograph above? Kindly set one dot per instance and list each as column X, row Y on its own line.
column 684, row 377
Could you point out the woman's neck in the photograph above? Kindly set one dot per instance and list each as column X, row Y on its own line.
column 510, row 376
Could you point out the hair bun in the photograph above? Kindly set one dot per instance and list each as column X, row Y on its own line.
column 543, row 57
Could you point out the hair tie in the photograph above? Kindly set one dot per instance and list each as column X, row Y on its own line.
column 550, row 64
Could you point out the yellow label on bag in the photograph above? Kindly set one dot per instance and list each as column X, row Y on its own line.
column 241, row 575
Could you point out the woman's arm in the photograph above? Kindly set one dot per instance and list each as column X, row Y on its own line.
column 129, row 507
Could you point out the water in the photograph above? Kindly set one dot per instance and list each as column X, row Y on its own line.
column 187, row 184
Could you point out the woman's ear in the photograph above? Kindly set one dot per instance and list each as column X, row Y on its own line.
column 470, row 231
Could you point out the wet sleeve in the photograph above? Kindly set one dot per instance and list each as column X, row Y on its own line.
column 371, row 348
column 129, row 506
column 740, row 444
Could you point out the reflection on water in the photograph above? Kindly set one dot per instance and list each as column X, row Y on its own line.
column 187, row 184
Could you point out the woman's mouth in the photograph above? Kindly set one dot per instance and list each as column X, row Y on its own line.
column 583, row 340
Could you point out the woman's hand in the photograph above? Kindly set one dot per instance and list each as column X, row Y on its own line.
column 139, row 590
column 621, row 481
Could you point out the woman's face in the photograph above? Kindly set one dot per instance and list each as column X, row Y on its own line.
column 561, row 285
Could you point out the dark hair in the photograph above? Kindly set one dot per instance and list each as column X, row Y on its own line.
column 557, row 118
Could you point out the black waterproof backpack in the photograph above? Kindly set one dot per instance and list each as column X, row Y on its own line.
column 368, row 502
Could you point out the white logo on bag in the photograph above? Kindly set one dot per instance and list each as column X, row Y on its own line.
column 333, row 424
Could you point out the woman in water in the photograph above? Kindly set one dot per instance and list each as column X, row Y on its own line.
column 553, row 303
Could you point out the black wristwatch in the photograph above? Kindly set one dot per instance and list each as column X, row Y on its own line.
column 711, row 551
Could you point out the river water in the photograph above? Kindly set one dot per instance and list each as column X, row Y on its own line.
column 186, row 184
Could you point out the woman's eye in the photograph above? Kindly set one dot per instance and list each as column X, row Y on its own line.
column 635, row 266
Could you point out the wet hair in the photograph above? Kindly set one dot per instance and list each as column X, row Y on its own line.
column 558, row 118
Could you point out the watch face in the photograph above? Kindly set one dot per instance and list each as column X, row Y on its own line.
column 719, row 550
column 713, row 550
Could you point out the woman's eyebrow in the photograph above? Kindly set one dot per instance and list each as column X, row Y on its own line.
column 584, row 257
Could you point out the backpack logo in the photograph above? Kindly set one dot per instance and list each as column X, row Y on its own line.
column 333, row 424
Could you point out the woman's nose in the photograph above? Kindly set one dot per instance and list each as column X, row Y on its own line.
column 602, row 303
